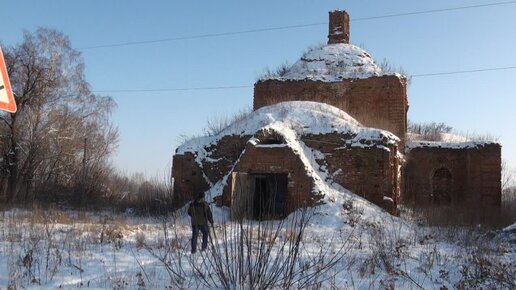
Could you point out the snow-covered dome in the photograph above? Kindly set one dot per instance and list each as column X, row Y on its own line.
column 333, row 62
column 294, row 119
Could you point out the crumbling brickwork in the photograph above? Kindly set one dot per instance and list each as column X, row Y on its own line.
column 223, row 156
column 378, row 102
column 372, row 173
column 338, row 31
column 369, row 172
column 430, row 175
column 454, row 176
column 188, row 178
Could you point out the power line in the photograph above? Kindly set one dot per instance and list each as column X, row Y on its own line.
column 463, row 71
column 433, row 11
column 175, row 89
column 210, row 35
column 202, row 36
column 247, row 86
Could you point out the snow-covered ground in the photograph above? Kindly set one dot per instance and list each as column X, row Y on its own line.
column 346, row 244
column 343, row 243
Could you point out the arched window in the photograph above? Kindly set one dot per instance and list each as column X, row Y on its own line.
column 442, row 186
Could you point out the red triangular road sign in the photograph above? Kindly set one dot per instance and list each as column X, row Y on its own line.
column 7, row 102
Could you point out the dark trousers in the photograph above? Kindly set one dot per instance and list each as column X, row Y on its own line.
column 195, row 233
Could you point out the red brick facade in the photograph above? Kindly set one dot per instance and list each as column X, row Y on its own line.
column 276, row 160
column 370, row 172
column 472, row 175
column 378, row 102
column 338, row 31
column 429, row 175
column 188, row 178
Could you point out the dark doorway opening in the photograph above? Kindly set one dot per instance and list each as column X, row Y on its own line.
column 442, row 186
column 270, row 196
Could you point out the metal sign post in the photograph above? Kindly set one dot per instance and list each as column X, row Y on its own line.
column 7, row 102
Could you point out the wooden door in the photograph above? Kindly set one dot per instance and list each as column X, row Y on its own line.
column 241, row 191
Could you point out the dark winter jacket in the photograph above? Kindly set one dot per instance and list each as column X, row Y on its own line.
column 200, row 213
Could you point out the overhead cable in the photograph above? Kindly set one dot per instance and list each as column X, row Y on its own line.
column 219, row 34
column 248, row 86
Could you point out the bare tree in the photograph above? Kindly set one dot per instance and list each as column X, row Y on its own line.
column 508, row 175
column 61, row 133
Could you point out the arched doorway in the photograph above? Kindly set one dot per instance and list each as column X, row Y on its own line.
column 442, row 186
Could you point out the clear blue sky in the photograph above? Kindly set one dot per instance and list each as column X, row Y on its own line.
column 150, row 122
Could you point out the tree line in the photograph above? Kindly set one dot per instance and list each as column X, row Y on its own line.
column 57, row 145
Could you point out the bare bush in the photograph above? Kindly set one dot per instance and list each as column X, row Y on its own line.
column 387, row 67
column 45, row 249
column 482, row 271
column 216, row 125
column 280, row 71
column 248, row 254
column 434, row 131
column 137, row 194
column 460, row 216
column 480, row 137
column 429, row 131
column 170, row 250
column 508, row 176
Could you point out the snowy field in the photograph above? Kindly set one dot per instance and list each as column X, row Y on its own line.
column 343, row 243
column 330, row 247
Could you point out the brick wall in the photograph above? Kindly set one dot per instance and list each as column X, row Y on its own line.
column 338, row 30
column 188, row 178
column 223, row 156
column 475, row 174
column 369, row 172
column 379, row 102
column 277, row 160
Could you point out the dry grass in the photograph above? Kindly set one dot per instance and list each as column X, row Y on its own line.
column 38, row 248
column 461, row 216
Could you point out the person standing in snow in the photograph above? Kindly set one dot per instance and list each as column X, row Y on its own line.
column 200, row 214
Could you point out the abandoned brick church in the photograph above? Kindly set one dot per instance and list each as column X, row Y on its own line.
column 333, row 117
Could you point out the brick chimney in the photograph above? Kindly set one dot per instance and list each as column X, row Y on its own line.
column 339, row 27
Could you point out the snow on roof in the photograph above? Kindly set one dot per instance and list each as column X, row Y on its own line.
column 333, row 62
column 445, row 141
column 292, row 119
column 441, row 137
column 301, row 117
column 453, row 138
column 447, row 145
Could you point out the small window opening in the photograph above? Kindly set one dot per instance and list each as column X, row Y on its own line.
column 272, row 141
